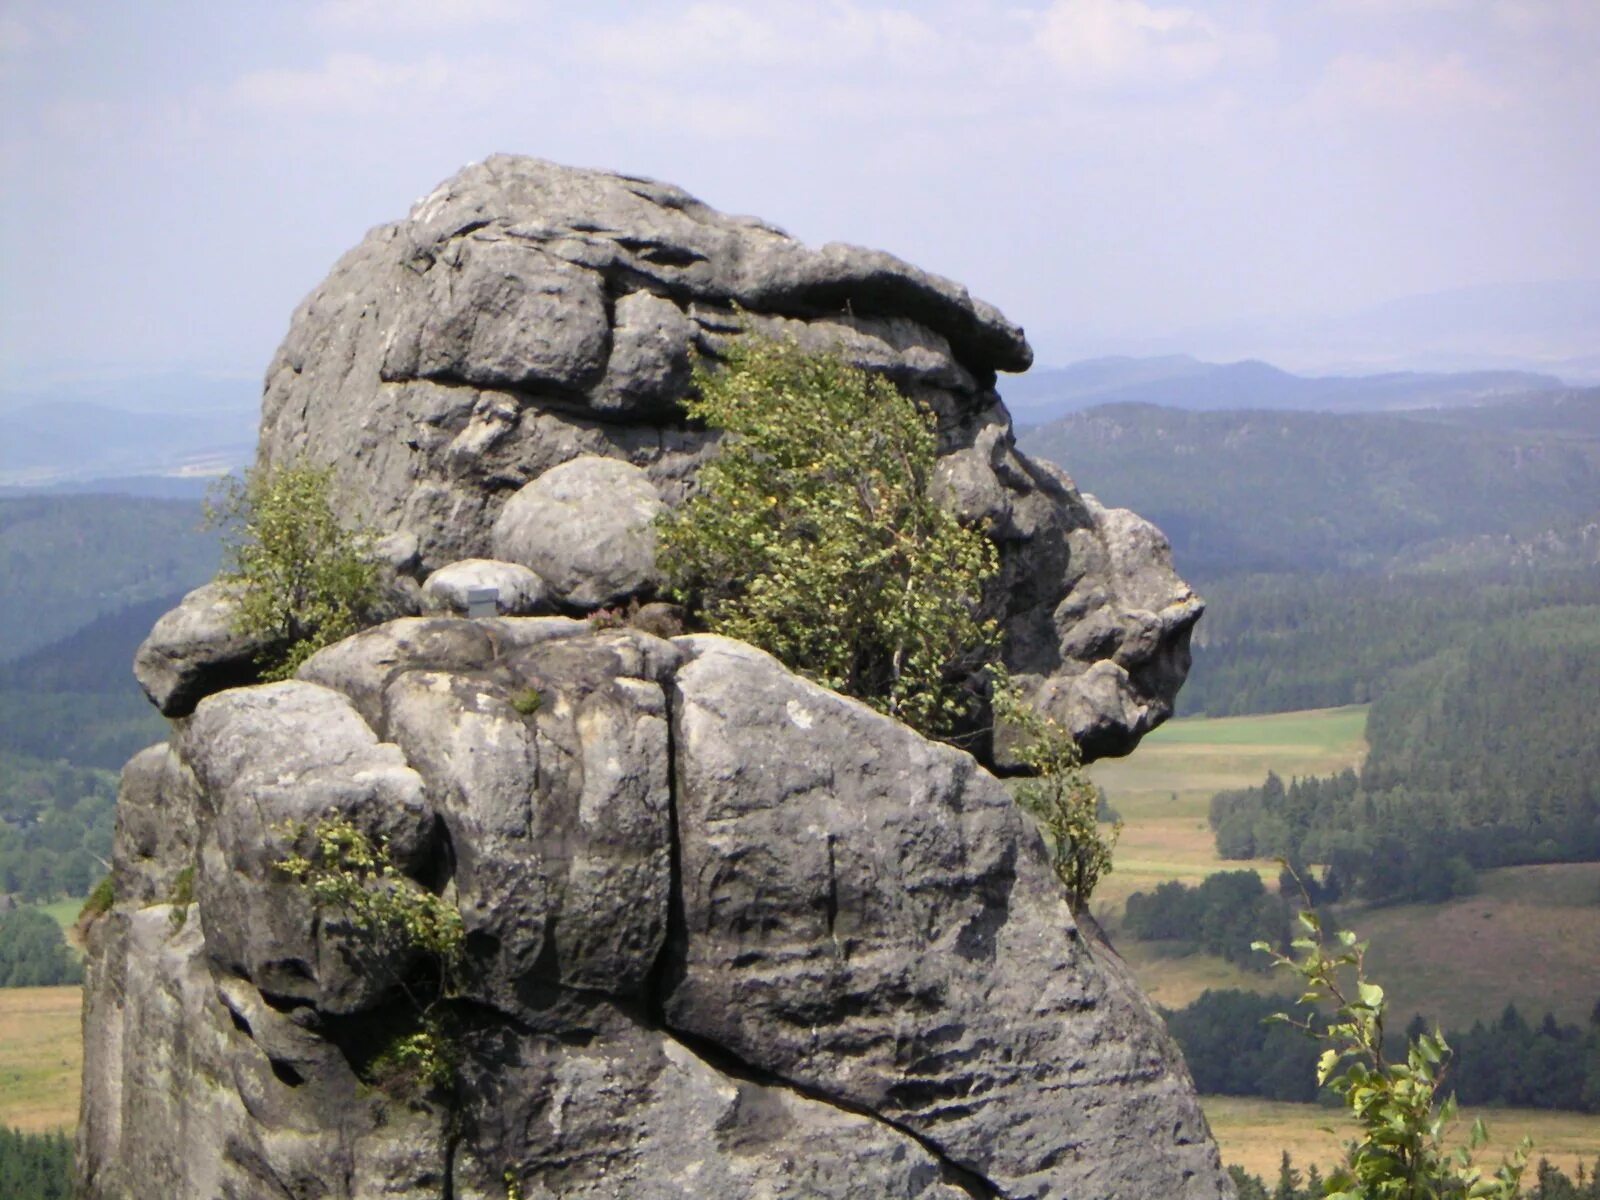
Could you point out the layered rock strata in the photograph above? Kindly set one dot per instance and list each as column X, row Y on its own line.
column 726, row 934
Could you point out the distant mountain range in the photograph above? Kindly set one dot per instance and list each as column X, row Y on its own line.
column 67, row 559
column 161, row 426
column 1178, row 381
column 1243, row 490
column 1549, row 327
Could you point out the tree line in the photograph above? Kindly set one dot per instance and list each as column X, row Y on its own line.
column 33, row 951
column 1223, row 915
column 55, row 827
column 35, row 1166
column 1234, row 1050
column 1484, row 755
column 1282, row 642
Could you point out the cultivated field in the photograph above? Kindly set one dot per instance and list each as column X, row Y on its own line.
column 1164, row 790
column 1531, row 935
column 41, row 1057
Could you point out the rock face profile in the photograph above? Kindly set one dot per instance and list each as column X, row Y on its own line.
column 727, row 934
column 526, row 314
column 724, row 933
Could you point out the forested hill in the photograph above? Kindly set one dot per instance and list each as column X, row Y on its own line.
column 65, row 560
column 1266, row 491
column 1483, row 755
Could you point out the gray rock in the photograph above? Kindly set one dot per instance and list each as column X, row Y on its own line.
column 195, row 1089
column 156, row 835
column 519, row 592
column 194, row 650
column 272, row 760
column 525, row 315
column 502, row 313
column 400, row 551
column 867, row 916
column 568, row 879
column 588, row 527
column 648, row 370
column 644, row 1117
column 728, row 933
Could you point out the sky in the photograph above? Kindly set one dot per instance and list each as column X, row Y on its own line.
column 1116, row 175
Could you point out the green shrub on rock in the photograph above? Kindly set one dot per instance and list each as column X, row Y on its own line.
column 1060, row 796
column 302, row 580
column 815, row 534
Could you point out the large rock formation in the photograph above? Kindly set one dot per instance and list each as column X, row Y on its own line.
column 726, row 934
column 527, row 314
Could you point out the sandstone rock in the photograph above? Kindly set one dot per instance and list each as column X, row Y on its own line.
column 155, row 830
column 526, row 315
column 872, row 921
column 728, row 934
column 194, row 651
column 269, row 759
column 519, row 591
column 587, row 526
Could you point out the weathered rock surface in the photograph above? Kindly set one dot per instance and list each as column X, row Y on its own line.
column 526, row 315
column 925, row 969
column 519, row 592
column 725, row 933
column 588, row 527
column 194, row 651
column 728, row 934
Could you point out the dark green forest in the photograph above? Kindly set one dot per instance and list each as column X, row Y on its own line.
column 65, row 560
column 1486, row 754
column 1224, row 916
column 35, row 1166
column 1542, row 1182
column 1234, row 1049
column 33, row 951
column 76, row 699
column 1281, row 643
column 55, row 827
column 1264, row 492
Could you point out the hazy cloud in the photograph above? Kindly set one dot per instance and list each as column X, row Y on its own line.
column 1094, row 166
column 382, row 16
column 1404, row 85
column 1113, row 42
column 728, row 37
column 359, row 84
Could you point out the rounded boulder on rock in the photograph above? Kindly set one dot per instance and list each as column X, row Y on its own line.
column 519, row 592
column 588, row 527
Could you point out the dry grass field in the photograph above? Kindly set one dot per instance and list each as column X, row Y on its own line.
column 41, row 1057
column 1163, row 790
column 1255, row 1133
column 1531, row 935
